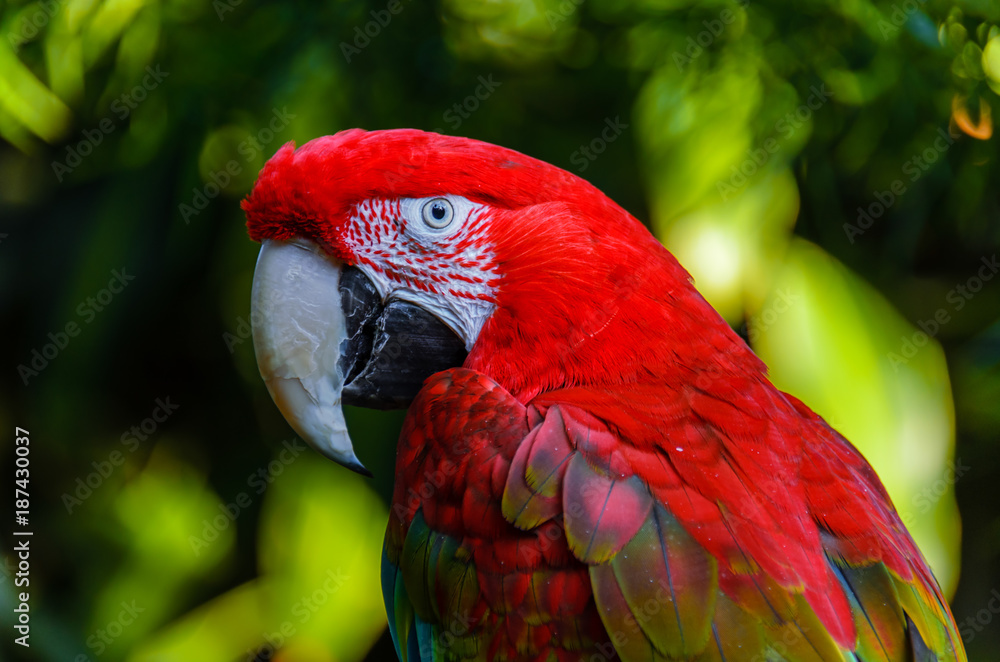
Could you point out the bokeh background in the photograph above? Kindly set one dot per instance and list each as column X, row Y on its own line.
column 826, row 170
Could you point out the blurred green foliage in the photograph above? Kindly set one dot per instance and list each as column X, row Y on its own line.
column 826, row 171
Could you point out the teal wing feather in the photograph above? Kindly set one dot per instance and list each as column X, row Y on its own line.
column 431, row 593
column 399, row 610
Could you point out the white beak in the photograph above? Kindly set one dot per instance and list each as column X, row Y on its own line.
column 298, row 327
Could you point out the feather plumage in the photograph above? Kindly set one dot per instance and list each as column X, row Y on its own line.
column 571, row 531
column 610, row 474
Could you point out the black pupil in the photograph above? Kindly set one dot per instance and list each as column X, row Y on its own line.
column 437, row 211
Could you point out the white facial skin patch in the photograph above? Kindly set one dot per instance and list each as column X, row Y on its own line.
column 448, row 270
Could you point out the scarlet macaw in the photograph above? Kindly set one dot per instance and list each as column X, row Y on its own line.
column 593, row 466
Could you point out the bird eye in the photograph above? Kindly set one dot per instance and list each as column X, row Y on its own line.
column 438, row 213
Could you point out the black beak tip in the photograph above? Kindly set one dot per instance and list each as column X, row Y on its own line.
column 359, row 468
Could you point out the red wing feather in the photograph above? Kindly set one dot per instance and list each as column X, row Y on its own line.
column 599, row 525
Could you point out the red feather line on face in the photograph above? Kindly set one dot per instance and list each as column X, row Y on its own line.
column 375, row 235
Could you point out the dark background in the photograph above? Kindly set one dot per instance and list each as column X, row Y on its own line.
column 212, row 536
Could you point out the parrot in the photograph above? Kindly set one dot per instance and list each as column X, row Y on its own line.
column 593, row 464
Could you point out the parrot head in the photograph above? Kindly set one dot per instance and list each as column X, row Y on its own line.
column 388, row 256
